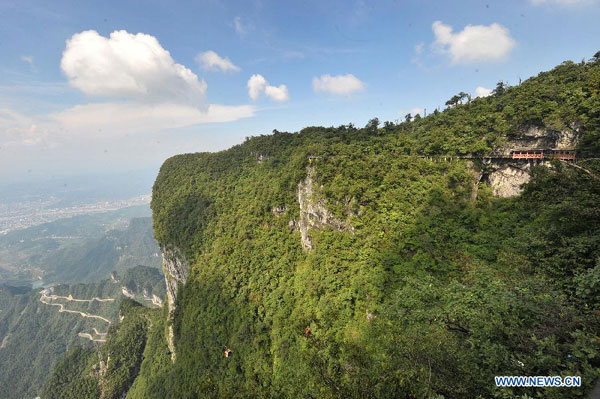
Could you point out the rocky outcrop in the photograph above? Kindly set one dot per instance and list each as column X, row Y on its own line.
column 176, row 269
column 537, row 138
column 4, row 341
column 506, row 180
column 313, row 212
column 157, row 300
column 125, row 291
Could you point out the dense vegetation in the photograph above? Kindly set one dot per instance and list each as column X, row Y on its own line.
column 144, row 280
column 70, row 378
column 34, row 335
column 110, row 371
column 430, row 294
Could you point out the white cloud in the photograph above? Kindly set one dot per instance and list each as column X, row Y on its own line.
column 419, row 48
column 239, row 26
column 129, row 66
column 277, row 93
column 19, row 129
column 482, row 91
column 147, row 95
column 211, row 61
column 563, row 3
column 475, row 43
column 91, row 122
column 119, row 119
column 257, row 85
column 28, row 59
column 339, row 85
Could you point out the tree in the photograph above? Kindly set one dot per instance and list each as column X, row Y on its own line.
column 372, row 125
column 500, row 88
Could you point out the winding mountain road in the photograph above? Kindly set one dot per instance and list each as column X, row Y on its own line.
column 44, row 299
column 47, row 300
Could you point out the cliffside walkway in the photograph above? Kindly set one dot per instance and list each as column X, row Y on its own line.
column 568, row 157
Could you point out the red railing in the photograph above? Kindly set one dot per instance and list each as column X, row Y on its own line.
column 562, row 155
column 527, row 155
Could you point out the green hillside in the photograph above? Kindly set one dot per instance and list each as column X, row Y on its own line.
column 34, row 334
column 405, row 286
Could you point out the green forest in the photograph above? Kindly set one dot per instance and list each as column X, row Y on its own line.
column 424, row 292
column 35, row 335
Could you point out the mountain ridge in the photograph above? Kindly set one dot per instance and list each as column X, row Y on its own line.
column 388, row 278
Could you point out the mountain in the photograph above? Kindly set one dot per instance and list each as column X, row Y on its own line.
column 411, row 260
column 37, row 327
column 79, row 249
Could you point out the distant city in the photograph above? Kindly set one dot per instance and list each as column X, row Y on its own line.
column 20, row 215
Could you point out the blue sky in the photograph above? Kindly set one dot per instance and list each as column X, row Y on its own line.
column 103, row 86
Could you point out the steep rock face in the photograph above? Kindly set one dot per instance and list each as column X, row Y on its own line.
column 157, row 300
column 507, row 179
column 313, row 213
column 176, row 269
column 127, row 293
column 536, row 138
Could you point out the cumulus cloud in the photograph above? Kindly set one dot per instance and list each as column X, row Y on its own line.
column 475, row 43
column 482, row 91
column 129, row 66
column 258, row 85
column 277, row 93
column 211, row 61
column 339, row 85
column 146, row 92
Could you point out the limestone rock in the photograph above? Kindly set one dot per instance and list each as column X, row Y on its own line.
column 507, row 179
column 176, row 269
column 313, row 213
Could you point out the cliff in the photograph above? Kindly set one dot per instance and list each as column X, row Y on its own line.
column 506, row 178
column 175, row 269
column 314, row 214
column 318, row 232
column 346, row 262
